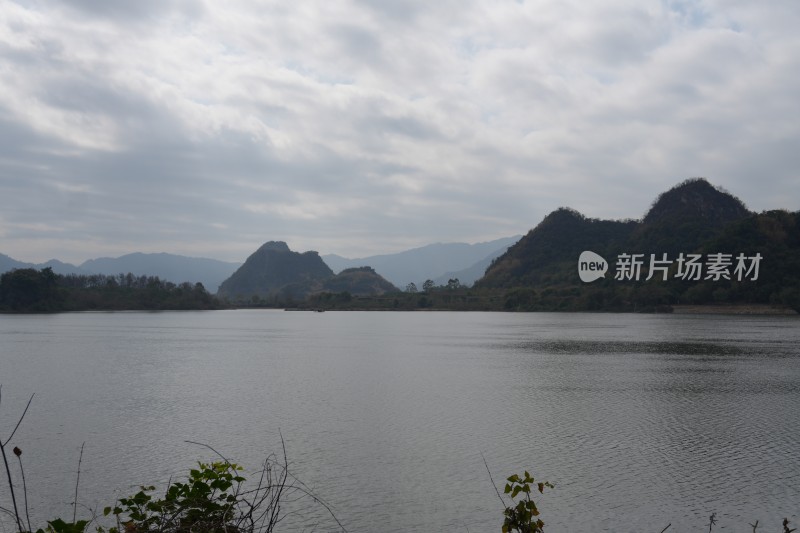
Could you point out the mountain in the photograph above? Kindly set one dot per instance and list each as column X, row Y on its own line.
column 60, row 267
column 274, row 271
column 276, row 274
column 696, row 199
column 464, row 261
column 471, row 274
column 758, row 253
column 548, row 253
column 428, row 262
column 361, row 281
column 168, row 267
column 686, row 216
column 7, row 263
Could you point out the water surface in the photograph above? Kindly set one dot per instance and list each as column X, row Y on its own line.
column 639, row 420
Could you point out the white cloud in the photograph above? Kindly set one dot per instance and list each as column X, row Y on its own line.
column 371, row 126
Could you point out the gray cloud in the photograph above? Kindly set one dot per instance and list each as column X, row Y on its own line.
column 138, row 11
column 367, row 127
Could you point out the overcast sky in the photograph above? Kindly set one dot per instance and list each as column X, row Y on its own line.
column 374, row 126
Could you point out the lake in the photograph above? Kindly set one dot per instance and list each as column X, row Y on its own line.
column 639, row 420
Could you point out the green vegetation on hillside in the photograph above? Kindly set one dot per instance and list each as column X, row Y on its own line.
column 275, row 276
column 275, row 273
column 694, row 218
column 361, row 280
column 539, row 258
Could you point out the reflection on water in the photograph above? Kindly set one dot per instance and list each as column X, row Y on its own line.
column 626, row 347
column 641, row 421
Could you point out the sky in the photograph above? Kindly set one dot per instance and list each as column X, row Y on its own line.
column 365, row 127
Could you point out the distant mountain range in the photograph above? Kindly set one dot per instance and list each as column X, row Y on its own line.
column 7, row 263
column 438, row 262
column 168, row 267
column 175, row 268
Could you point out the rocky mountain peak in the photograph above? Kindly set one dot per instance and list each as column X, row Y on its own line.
column 696, row 198
column 274, row 246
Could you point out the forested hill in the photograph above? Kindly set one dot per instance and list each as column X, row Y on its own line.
column 274, row 274
column 274, row 268
column 694, row 219
column 539, row 258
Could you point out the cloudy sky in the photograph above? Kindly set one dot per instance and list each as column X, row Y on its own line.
column 371, row 126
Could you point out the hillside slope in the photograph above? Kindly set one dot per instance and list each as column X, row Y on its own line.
column 275, row 271
column 740, row 257
column 274, row 274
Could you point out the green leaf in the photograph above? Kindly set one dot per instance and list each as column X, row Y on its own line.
column 57, row 524
column 106, row 511
column 507, row 489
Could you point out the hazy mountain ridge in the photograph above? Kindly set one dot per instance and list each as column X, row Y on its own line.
column 170, row 267
column 468, row 276
column 167, row 267
column 433, row 261
column 7, row 263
